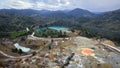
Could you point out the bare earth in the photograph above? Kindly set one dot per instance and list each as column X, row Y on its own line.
column 74, row 52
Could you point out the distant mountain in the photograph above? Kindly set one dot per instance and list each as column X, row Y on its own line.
column 58, row 14
column 21, row 11
column 55, row 14
column 81, row 13
column 111, row 16
column 106, row 25
column 71, row 13
column 98, row 12
column 109, row 20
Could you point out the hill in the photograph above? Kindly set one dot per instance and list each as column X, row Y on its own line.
column 107, row 21
column 13, row 22
column 106, row 25
column 81, row 13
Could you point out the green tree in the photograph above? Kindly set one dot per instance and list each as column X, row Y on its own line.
column 20, row 51
column 34, row 53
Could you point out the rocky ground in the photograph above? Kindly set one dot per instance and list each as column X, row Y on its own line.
column 74, row 52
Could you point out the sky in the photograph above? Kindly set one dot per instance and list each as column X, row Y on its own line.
column 91, row 5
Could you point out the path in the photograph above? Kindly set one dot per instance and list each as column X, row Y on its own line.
column 9, row 56
column 112, row 47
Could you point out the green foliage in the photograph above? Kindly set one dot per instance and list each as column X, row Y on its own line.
column 23, row 39
column 20, row 51
column 51, row 33
column 4, row 35
column 105, row 25
column 17, row 34
column 34, row 53
column 15, row 50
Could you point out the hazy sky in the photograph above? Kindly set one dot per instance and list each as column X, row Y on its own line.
column 92, row 5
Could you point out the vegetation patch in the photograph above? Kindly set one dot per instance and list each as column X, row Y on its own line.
column 51, row 33
column 17, row 34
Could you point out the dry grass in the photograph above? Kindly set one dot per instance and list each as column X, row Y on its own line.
column 103, row 65
column 7, row 48
column 109, row 42
column 34, row 44
column 65, row 43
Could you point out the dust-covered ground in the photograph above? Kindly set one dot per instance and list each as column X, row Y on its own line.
column 74, row 52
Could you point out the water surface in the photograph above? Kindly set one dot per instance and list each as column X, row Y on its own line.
column 58, row 28
column 24, row 49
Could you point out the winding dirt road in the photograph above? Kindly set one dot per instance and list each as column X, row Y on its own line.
column 9, row 56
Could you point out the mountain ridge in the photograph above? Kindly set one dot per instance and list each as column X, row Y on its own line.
column 79, row 12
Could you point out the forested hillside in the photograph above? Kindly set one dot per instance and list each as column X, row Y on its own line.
column 105, row 24
column 13, row 22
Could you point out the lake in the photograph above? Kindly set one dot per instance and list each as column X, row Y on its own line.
column 58, row 28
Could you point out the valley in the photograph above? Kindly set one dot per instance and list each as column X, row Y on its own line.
column 76, row 38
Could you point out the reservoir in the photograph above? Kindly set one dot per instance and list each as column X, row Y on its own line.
column 24, row 49
column 58, row 28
